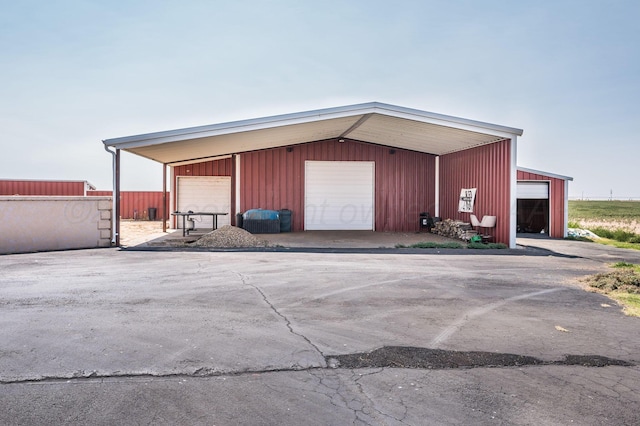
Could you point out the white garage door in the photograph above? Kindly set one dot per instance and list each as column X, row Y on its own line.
column 339, row 195
column 533, row 190
column 205, row 194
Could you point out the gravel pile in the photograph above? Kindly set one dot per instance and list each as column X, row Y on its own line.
column 229, row 236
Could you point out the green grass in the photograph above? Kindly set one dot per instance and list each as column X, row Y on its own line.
column 574, row 224
column 430, row 244
column 625, row 265
column 604, row 210
column 618, row 244
column 616, row 234
column 621, row 284
column 454, row 245
column 631, row 303
column 485, row 246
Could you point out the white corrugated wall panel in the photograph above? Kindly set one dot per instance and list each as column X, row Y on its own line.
column 339, row 195
column 205, row 194
column 533, row 190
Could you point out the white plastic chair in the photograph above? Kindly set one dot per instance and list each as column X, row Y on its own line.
column 474, row 221
column 487, row 222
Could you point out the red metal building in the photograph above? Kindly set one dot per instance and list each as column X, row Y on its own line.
column 45, row 187
column 136, row 204
column 369, row 166
column 542, row 202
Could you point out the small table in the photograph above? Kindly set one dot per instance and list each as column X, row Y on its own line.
column 186, row 215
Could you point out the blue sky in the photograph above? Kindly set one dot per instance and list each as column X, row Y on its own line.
column 76, row 72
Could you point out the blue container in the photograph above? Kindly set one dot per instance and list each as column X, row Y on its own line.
column 260, row 214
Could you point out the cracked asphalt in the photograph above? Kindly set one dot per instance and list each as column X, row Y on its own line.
column 261, row 338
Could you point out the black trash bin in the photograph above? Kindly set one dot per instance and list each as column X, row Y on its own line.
column 426, row 221
column 239, row 220
column 152, row 213
column 285, row 220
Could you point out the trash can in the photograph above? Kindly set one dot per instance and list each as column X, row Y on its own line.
column 239, row 220
column 152, row 213
column 285, row 220
column 426, row 221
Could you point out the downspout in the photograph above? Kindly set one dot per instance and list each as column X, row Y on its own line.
column 114, row 228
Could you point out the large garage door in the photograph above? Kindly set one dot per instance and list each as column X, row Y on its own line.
column 533, row 190
column 339, row 195
column 205, row 194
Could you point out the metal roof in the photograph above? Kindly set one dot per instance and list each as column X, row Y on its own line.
column 372, row 122
column 539, row 172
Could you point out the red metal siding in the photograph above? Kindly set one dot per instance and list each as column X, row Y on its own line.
column 207, row 168
column 404, row 180
column 486, row 168
column 41, row 187
column 556, row 201
column 135, row 204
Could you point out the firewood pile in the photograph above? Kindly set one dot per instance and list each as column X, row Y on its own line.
column 454, row 229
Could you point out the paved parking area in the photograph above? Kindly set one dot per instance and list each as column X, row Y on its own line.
column 129, row 337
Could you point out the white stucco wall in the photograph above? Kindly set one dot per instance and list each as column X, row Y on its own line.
column 29, row 224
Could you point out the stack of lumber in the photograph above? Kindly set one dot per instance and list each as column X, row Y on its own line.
column 454, row 229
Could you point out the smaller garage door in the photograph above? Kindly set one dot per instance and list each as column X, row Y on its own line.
column 533, row 190
column 533, row 207
column 205, row 194
column 339, row 195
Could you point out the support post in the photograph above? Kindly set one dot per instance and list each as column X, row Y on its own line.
column 164, row 197
column 513, row 196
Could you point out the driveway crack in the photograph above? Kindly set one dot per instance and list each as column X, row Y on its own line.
column 280, row 314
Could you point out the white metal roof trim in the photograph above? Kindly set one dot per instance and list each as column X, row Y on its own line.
column 305, row 117
column 539, row 172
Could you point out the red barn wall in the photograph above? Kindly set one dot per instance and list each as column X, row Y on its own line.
column 221, row 167
column 404, row 181
column 556, row 201
column 42, row 187
column 135, row 204
column 486, row 168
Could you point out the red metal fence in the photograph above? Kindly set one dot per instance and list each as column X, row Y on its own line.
column 43, row 187
column 136, row 204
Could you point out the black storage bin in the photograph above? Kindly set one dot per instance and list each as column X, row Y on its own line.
column 152, row 213
column 285, row 220
column 426, row 221
column 261, row 226
column 239, row 220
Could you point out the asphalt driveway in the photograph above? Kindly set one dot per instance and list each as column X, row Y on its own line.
column 134, row 337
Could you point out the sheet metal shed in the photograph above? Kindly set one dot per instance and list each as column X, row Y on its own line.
column 459, row 153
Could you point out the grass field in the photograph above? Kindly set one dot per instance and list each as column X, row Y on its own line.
column 612, row 215
column 619, row 223
column 604, row 210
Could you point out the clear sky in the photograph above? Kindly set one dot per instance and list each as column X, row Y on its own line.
column 76, row 72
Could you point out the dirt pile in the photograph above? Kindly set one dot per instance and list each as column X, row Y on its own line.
column 624, row 279
column 229, row 236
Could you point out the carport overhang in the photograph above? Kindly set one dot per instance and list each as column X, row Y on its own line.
column 374, row 122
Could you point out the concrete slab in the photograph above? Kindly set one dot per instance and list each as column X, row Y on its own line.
column 149, row 234
column 113, row 336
